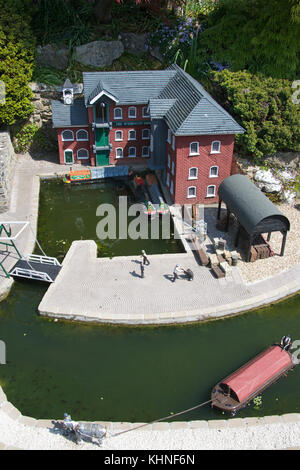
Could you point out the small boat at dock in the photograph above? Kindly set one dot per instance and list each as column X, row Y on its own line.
column 93, row 175
column 238, row 389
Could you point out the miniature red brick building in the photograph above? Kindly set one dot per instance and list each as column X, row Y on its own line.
column 164, row 120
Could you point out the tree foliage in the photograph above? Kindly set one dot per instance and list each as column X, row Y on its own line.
column 16, row 63
column 264, row 107
column 256, row 35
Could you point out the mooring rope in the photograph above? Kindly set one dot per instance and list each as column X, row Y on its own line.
column 161, row 419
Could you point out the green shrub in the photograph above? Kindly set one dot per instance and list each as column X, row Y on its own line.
column 263, row 106
column 257, row 35
column 16, row 64
column 30, row 137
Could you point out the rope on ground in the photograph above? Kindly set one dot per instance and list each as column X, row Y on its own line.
column 161, row 419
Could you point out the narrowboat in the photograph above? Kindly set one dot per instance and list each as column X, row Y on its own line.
column 95, row 174
column 235, row 391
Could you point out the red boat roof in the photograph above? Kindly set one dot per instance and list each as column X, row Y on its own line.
column 258, row 371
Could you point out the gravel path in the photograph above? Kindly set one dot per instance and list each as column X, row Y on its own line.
column 262, row 436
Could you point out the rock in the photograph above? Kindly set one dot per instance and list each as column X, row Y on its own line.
column 267, row 182
column 99, row 53
column 155, row 52
column 290, row 160
column 51, row 56
column 134, row 43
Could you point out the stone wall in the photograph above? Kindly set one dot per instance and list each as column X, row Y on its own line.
column 42, row 114
column 7, row 165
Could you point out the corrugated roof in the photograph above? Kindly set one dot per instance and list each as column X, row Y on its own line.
column 69, row 115
column 248, row 203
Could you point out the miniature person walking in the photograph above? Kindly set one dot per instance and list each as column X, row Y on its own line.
column 177, row 269
column 142, row 270
column 145, row 258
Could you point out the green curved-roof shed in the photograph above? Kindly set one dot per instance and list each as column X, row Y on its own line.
column 254, row 211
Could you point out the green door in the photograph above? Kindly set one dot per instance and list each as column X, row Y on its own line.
column 101, row 137
column 68, row 156
column 102, row 157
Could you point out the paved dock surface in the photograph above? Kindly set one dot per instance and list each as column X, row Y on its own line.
column 111, row 290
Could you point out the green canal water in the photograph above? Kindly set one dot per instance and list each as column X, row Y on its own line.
column 100, row 372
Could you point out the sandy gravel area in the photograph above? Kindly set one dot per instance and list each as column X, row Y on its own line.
column 265, row 268
column 264, row 436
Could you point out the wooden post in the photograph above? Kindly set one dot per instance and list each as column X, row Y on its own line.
column 283, row 243
column 269, row 237
column 219, row 209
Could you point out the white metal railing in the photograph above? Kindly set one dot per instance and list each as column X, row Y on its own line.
column 30, row 274
column 42, row 259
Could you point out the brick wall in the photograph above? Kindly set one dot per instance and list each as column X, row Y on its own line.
column 203, row 162
column 139, row 143
column 74, row 145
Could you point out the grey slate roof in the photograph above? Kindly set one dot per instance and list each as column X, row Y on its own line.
column 129, row 87
column 248, row 203
column 172, row 95
column 64, row 115
column 159, row 108
column 99, row 88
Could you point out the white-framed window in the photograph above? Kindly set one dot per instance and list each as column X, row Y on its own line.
column 146, row 151
column 82, row 154
column 169, row 136
column 173, row 168
column 194, row 148
column 145, row 112
column 118, row 136
column 215, row 146
column 132, row 152
column 211, row 191
column 168, row 179
column 193, row 173
column 132, row 112
column 146, row 134
column 169, row 161
column 82, row 135
column 172, row 187
column 119, row 152
column 67, row 135
column 214, row 172
column 118, row 114
column 191, row 192
column 173, row 142
column 132, row 134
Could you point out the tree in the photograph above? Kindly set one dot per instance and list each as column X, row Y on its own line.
column 256, row 35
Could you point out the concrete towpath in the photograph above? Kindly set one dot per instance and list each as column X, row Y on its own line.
column 111, row 290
